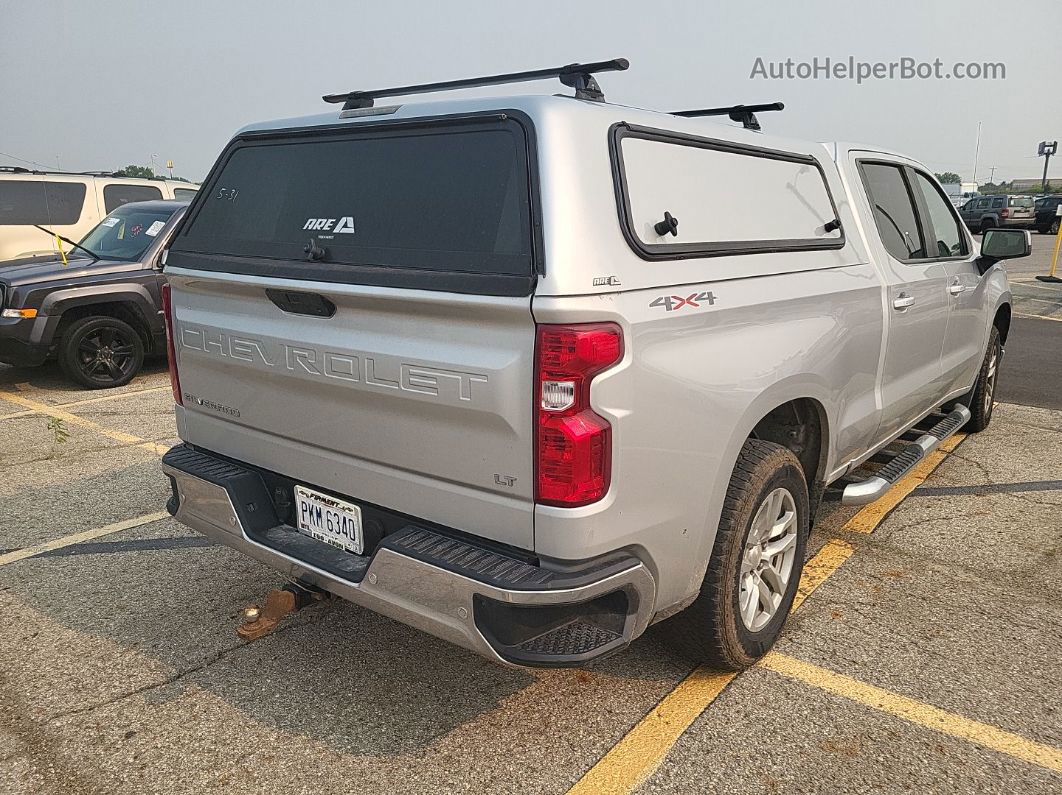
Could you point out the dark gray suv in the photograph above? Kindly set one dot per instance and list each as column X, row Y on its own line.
column 97, row 313
column 991, row 212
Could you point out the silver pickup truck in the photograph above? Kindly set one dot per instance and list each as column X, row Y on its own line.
column 533, row 373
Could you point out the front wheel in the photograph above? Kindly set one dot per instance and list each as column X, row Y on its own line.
column 752, row 576
column 981, row 399
column 101, row 352
column 1053, row 229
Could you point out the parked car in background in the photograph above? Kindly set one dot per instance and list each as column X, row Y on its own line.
column 70, row 204
column 992, row 212
column 1046, row 209
column 532, row 403
column 98, row 313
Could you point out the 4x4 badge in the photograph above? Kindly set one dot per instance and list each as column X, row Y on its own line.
column 674, row 302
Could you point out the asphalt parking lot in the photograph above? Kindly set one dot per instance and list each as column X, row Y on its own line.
column 923, row 656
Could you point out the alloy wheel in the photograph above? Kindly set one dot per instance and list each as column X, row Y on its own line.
column 104, row 355
column 767, row 561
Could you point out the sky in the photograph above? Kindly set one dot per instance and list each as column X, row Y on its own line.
column 97, row 86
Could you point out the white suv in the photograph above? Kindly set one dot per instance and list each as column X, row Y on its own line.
column 68, row 204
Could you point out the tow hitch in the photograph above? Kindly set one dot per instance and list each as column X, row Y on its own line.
column 261, row 621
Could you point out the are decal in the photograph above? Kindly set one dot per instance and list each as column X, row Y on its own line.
column 673, row 303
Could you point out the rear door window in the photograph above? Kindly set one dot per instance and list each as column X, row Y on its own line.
column 423, row 199
column 115, row 195
column 184, row 194
column 40, row 202
column 894, row 210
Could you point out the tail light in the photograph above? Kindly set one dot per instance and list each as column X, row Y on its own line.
column 573, row 451
column 171, row 351
column 1005, row 213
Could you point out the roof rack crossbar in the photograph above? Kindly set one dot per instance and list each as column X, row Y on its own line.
column 579, row 76
column 746, row 114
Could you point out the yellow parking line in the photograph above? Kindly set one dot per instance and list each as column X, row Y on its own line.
column 634, row 758
column 641, row 751
column 73, row 419
column 916, row 712
column 870, row 516
column 819, row 569
column 77, row 538
column 119, row 396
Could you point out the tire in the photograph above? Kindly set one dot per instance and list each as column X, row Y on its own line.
column 986, row 224
column 981, row 398
column 716, row 629
column 1053, row 229
column 101, row 352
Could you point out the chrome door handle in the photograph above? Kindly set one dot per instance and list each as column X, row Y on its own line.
column 903, row 301
column 956, row 287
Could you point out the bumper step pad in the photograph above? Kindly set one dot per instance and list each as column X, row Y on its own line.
column 573, row 639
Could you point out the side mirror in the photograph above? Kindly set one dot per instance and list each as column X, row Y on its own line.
column 998, row 244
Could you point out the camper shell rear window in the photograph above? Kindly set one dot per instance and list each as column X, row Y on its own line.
column 443, row 205
column 727, row 198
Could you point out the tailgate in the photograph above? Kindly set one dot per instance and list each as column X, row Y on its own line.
column 352, row 310
column 415, row 401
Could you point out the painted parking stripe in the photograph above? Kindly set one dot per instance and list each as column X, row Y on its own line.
column 73, row 419
column 87, row 401
column 629, row 763
column 77, row 538
column 917, row 712
column 637, row 756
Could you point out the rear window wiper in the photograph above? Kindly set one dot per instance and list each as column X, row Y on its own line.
column 93, row 254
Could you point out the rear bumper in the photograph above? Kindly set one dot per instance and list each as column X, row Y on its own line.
column 509, row 610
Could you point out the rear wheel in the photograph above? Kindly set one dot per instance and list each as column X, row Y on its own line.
column 986, row 224
column 982, row 397
column 101, row 352
column 755, row 565
column 1053, row 229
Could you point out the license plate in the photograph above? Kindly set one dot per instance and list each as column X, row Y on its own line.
column 335, row 522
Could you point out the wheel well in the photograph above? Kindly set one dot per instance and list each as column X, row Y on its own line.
column 117, row 309
column 801, row 426
column 1002, row 322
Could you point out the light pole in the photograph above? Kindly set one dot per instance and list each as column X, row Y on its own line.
column 1047, row 148
column 153, row 164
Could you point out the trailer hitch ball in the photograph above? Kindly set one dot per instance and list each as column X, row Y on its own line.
column 261, row 621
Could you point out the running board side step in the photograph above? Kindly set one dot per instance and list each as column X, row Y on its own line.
column 864, row 491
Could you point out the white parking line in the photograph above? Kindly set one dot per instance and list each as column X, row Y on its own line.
column 77, row 538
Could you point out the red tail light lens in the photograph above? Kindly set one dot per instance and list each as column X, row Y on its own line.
column 171, row 351
column 1005, row 213
column 573, row 461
